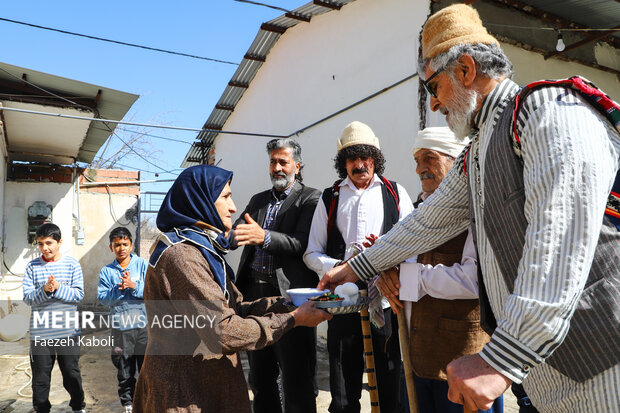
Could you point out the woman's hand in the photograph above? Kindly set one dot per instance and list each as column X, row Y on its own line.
column 308, row 315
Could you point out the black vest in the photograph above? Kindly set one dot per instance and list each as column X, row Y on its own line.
column 592, row 343
column 336, row 247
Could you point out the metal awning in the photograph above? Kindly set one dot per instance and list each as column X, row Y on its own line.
column 36, row 138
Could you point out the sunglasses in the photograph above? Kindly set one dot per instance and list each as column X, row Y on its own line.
column 432, row 90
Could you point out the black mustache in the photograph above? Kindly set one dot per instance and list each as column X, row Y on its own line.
column 278, row 175
column 359, row 170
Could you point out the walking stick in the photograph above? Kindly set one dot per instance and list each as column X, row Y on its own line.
column 403, row 332
column 369, row 358
column 404, row 350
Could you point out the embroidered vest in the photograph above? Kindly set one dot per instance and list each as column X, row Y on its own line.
column 592, row 344
column 443, row 330
column 336, row 247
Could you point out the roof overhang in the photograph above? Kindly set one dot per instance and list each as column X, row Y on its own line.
column 30, row 137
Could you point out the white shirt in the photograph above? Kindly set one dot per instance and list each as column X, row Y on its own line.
column 360, row 213
column 456, row 282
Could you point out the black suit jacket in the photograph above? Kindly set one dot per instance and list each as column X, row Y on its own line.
column 289, row 238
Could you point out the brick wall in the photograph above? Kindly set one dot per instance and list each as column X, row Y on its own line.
column 111, row 175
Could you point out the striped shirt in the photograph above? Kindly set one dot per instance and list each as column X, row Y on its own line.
column 570, row 157
column 62, row 303
column 263, row 260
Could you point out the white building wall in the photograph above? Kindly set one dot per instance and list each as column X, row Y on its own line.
column 18, row 197
column 99, row 214
column 337, row 59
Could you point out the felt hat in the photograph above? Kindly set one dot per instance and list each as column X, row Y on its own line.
column 453, row 25
column 357, row 133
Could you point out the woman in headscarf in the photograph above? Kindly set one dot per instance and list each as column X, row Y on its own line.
column 195, row 367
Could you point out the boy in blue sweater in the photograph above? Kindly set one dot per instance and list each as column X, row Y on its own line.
column 53, row 285
column 120, row 287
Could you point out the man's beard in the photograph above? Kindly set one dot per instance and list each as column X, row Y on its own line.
column 461, row 108
column 281, row 181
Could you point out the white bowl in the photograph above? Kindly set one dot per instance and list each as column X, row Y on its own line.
column 300, row 295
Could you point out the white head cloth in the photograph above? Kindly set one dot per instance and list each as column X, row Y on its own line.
column 440, row 139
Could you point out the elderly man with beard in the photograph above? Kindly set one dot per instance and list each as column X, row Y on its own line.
column 273, row 229
column 438, row 290
column 541, row 212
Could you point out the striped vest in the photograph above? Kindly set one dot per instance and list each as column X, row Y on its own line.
column 592, row 344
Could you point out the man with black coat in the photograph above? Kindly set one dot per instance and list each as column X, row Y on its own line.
column 274, row 229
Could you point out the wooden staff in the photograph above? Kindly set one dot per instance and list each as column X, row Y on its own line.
column 369, row 357
column 404, row 349
column 403, row 332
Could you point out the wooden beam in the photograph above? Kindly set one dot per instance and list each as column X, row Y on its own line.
column 254, row 58
column 212, row 127
column 549, row 17
column 225, row 107
column 328, row 4
column 238, row 84
column 23, row 92
column 297, row 16
column 272, row 28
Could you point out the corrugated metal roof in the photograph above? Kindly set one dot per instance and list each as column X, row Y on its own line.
column 265, row 39
column 111, row 104
column 563, row 13
column 590, row 13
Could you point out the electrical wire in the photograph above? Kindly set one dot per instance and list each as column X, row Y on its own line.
column 119, row 42
column 149, row 135
column 148, row 125
column 45, row 90
column 107, row 188
column 7, row 267
column 264, row 5
column 351, row 106
column 136, row 152
column 552, row 28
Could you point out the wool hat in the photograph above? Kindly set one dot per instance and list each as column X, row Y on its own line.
column 440, row 139
column 453, row 25
column 357, row 133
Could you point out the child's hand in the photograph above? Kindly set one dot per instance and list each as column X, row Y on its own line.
column 126, row 282
column 370, row 240
column 51, row 285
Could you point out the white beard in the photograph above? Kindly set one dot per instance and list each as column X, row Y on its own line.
column 461, row 109
column 280, row 183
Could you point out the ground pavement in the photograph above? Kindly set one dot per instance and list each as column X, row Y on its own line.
column 99, row 381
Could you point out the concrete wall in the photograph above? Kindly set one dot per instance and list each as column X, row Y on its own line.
column 337, row 59
column 18, row 197
column 100, row 211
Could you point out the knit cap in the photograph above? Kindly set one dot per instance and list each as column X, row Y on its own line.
column 453, row 25
column 357, row 133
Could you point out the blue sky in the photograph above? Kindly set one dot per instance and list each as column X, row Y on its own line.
column 173, row 90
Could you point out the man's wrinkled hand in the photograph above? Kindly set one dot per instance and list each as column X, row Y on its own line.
column 308, row 315
column 474, row 383
column 389, row 285
column 336, row 276
column 250, row 233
